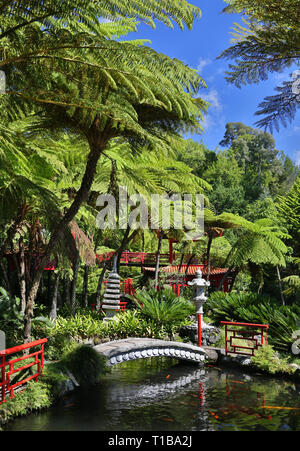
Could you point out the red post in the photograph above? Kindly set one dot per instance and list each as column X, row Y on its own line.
column 199, row 330
column 3, row 377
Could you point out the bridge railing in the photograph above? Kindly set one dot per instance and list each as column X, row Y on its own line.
column 9, row 368
column 243, row 337
column 145, row 258
column 127, row 258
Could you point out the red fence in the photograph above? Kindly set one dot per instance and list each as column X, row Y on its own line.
column 144, row 258
column 251, row 337
column 138, row 258
column 7, row 369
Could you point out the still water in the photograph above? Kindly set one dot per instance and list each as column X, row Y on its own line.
column 164, row 395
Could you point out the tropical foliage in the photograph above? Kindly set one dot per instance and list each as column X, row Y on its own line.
column 267, row 42
column 257, row 309
column 88, row 109
column 163, row 307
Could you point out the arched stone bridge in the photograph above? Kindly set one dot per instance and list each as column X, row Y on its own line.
column 142, row 348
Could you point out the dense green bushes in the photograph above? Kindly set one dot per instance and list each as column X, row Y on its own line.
column 254, row 308
column 131, row 323
column 163, row 307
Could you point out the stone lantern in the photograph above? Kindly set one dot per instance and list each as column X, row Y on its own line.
column 200, row 286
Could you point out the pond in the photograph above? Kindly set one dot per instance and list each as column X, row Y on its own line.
column 164, row 395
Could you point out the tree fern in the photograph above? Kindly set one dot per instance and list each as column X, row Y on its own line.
column 270, row 44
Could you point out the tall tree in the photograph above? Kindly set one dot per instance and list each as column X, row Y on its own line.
column 102, row 89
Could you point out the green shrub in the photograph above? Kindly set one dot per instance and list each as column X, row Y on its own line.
column 86, row 364
column 163, row 307
column 34, row 397
column 266, row 359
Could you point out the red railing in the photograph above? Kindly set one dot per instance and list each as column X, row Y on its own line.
column 6, row 385
column 256, row 334
column 144, row 258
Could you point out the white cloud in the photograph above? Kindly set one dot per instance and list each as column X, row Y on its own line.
column 297, row 157
column 213, row 98
column 202, row 64
column 208, row 122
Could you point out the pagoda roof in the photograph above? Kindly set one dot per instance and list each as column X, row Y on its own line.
column 191, row 270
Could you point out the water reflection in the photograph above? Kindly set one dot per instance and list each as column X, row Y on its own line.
column 163, row 395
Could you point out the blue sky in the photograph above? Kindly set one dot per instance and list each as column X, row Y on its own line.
column 199, row 49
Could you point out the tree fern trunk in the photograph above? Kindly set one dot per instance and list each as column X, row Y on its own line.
column 53, row 310
column 122, row 247
column 189, row 263
column 74, row 284
column 181, row 262
column 22, row 275
column 66, row 292
column 229, row 271
column 5, row 278
column 158, row 260
column 11, row 233
column 98, row 293
column 210, row 239
column 85, row 287
column 97, row 143
column 280, row 285
column 143, row 242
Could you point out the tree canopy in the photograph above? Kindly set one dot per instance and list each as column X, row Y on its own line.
column 267, row 42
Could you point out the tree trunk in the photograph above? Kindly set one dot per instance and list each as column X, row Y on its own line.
column 98, row 293
column 126, row 239
column 181, row 262
column 49, row 288
column 5, row 278
column 22, row 275
column 224, row 278
column 11, row 233
column 66, row 293
column 158, row 259
column 210, row 239
column 74, row 284
column 122, row 247
column 233, row 280
column 280, row 285
column 53, row 310
column 143, row 242
column 97, row 145
column 189, row 263
column 85, row 290
column 17, row 267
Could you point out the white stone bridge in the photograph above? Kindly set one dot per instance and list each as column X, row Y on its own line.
column 142, row 348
